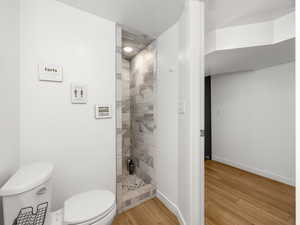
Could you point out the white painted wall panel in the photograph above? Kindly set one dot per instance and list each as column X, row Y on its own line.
column 284, row 27
column 253, row 119
column 244, row 36
column 9, row 90
column 52, row 129
column 167, row 116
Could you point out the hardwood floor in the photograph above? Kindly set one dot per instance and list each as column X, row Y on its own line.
column 152, row 212
column 235, row 197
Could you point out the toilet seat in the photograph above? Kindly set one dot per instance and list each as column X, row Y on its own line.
column 89, row 207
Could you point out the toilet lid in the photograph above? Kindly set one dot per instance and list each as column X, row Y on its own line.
column 27, row 178
column 88, row 206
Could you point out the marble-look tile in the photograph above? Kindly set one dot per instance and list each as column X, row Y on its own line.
column 126, row 153
column 119, row 165
column 119, row 131
column 144, row 141
column 142, row 118
column 119, row 192
column 136, row 197
column 126, row 147
column 144, row 196
column 154, row 192
column 119, row 116
column 118, row 62
column 119, row 90
column 136, row 95
column 144, row 176
column 147, row 169
column 126, row 106
column 144, row 156
column 127, row 141
column 125, row 70
column 126, row 119
column 119, row 76
column 119, row 144
column 124, row 165
column 118, row 35
column 125, row 90
column 120, row 179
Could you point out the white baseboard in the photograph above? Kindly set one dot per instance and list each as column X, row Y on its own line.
column 255, row 171
column 171, row 206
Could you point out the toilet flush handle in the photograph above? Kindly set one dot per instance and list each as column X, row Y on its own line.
column 41, row 191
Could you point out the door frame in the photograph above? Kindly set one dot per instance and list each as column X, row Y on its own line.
column 197, row 69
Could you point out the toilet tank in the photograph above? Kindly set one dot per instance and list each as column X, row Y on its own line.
column 27, row 196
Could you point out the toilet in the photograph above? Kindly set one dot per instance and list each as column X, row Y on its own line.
column 27, row 198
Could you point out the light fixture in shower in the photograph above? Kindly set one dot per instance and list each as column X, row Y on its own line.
column 128, row 49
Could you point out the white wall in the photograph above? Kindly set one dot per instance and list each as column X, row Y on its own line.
column 263, row 33
column 173, row 129
column 166, row 114
column 52, row 129
column 9, row 90
column 180, row 171
column 184, row 121
column 253, row 121
column 190, row 145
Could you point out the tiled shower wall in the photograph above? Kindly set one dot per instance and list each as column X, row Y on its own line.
column 126, row 115
column 119, row 130
column 142, row 95
column 135, row 123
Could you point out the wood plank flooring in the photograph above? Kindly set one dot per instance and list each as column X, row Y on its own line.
column 152, row 212
column 233, row 197
column 236, row 197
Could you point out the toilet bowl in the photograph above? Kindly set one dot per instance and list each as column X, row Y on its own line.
column 27, row 199
column 96, row 207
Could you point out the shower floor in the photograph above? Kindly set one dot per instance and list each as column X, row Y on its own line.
column 131, row 183
column 134, row 192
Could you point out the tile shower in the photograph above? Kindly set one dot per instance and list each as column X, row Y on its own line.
column 136, row 85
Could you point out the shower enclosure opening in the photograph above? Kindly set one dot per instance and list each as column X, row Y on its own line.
column 136, row 85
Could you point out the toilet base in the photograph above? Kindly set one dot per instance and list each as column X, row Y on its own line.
column 57, row 218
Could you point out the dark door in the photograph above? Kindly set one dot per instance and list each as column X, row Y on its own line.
column 207, row 118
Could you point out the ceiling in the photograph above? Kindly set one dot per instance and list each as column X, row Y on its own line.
column 224, row 13
column 151, row 17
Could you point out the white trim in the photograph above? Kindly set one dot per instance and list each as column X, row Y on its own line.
column 197, row 58
column 255, row 171
column 171, row 206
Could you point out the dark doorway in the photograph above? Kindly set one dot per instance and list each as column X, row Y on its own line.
column 207, row 118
